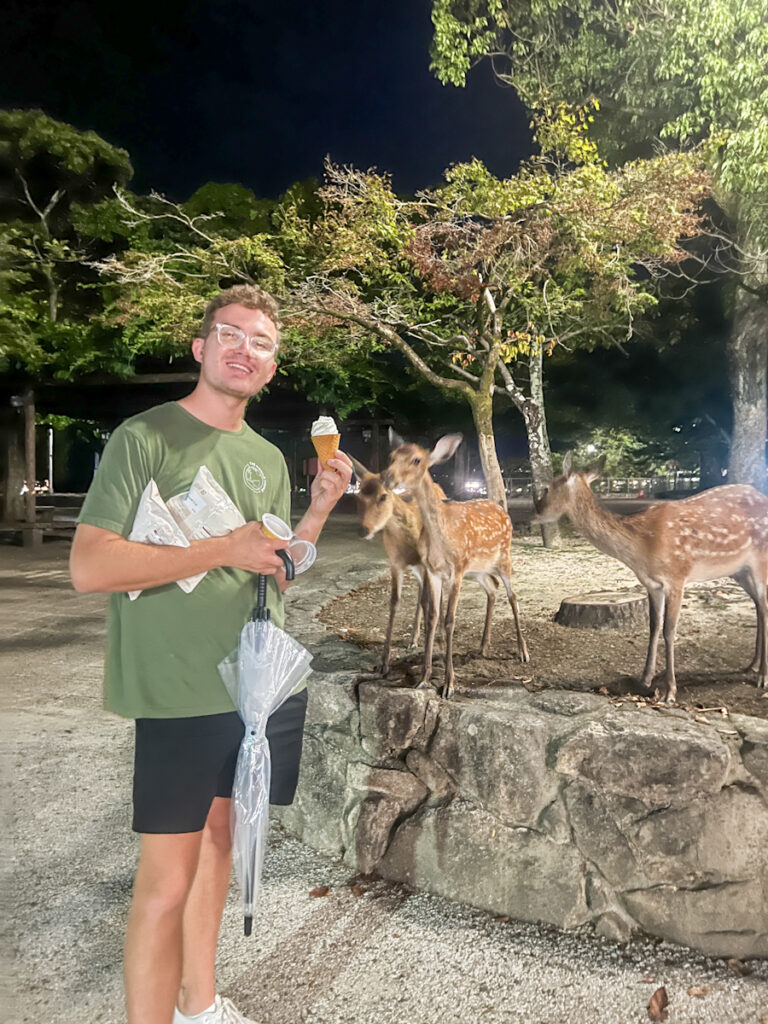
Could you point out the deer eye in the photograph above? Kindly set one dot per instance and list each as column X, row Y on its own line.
column 415, row 462
column 382, row 499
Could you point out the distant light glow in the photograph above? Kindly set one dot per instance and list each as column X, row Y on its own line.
column 475, row 486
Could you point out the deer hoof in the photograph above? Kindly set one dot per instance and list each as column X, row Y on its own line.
column 525, row 657
column 447, row 692
column 423, row 685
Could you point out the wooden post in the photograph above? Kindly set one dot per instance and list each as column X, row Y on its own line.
column 32, row 536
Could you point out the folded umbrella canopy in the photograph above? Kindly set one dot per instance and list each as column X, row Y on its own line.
column 270, row 665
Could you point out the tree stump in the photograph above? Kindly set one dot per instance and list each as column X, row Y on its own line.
column 604, row 610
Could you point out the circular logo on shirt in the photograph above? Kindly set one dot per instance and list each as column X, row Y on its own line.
column 254, row 477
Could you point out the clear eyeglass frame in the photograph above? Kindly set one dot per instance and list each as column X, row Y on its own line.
column 231, row 337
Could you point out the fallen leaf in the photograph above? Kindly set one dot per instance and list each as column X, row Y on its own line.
column 320, row 890
column 649, row 981
column 604, row 691
column 657, row 1008
column 764, row 1018
column 502, row 918
column 697, row 991
column 739, row 967
column 358, row 890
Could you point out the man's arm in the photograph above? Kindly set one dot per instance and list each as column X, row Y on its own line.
column 328, row 486
column 105, row 562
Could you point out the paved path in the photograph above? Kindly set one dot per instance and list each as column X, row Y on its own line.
column 382, row 954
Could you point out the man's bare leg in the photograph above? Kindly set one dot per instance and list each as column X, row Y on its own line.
column 153, row 941
column 202, row 915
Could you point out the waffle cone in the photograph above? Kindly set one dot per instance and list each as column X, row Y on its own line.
column 326, row 446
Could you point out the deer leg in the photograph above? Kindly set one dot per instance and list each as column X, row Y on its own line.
column 656, row 601
column 522, row 647
column 757, row 592
column 489, row 585
column 394, row 601
column 672, row 602
column 449, row 624
column 418, row 572
column 432, row 592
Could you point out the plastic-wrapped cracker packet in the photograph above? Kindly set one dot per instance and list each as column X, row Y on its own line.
column 206, row 510
column 154, row 524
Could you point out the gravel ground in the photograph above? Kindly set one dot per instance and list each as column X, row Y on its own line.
column 363, row 952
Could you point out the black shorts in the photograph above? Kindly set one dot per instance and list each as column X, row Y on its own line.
column 181, row 764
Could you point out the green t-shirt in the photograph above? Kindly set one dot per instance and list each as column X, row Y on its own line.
column 163, row 648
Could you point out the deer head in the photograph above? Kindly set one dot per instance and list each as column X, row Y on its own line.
column 375, row 502
column 558, row 497
column 409, row 464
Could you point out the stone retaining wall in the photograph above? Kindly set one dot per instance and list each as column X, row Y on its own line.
column 557, row 807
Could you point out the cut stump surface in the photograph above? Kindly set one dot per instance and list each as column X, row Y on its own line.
column 604, row 610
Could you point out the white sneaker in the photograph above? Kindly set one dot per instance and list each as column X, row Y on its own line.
column 223, row 1011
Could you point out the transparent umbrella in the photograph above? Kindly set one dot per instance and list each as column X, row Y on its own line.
column 270, row 665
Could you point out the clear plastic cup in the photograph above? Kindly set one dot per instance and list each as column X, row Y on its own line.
column 303, row 552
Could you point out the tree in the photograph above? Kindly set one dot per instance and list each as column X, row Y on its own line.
column 476, row 280
column 49, row 297
column 180, row 255
column 671, row 72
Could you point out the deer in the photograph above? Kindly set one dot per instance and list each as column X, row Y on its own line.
column 399, row 523
column 719, row 532
column 457, row 539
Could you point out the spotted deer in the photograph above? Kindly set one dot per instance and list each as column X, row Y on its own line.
column 399, row 523
column 720, row 532
column 457, row 539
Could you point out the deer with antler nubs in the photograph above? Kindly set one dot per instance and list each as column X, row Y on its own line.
column 720, row 532
column 457, row 539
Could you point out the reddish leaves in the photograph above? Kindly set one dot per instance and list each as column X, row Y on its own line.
column 657, row 1008
column 320, row 890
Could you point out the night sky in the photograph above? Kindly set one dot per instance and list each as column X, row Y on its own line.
column 256, row 93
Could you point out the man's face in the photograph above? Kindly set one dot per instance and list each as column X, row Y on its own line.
column 237, row 372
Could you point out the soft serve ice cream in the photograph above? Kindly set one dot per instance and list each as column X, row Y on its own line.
column 325, row 437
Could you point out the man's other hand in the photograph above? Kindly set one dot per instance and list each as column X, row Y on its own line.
column 330, row 483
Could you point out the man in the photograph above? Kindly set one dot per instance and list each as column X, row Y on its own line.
column 165, row 646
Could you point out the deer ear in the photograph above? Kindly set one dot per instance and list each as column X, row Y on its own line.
column 445, row 448
column 568, row 464
column 394, row 439
column 595, row 470
column 360, row 471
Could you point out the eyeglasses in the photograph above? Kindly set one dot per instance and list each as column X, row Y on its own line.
column 232, row 337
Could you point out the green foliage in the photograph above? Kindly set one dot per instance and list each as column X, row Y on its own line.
column 565, row 251
column 49, row 297
column 676, row 70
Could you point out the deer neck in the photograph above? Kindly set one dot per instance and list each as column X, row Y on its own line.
column 437, row 545
column 611, row 534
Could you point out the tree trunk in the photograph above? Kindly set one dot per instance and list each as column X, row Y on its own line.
column 482, row 414
column 538, row 445
column 748, row 366
column 13, row 468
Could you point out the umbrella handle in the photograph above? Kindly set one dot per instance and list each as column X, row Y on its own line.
column 261, row 612
column 290, row 568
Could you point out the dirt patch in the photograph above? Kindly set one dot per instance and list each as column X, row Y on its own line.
column 715, row 637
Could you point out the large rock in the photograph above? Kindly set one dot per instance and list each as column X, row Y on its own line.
column 754, row 748
column 658, row 759
column 725, row 920
column 553, row 807
column 462, row 849
column 496, row 758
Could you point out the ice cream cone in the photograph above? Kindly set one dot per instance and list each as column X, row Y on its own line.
column 326, row 446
